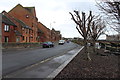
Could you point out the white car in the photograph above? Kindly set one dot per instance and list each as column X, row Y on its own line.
column 61, row 42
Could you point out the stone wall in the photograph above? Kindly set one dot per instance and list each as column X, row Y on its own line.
column 20, row 45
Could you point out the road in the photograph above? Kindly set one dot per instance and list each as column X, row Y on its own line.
column 17, row 59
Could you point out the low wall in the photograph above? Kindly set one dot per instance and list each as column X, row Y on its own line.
column 20, row 45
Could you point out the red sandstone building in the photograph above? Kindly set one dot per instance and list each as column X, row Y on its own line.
column 28, row 16
column 20, row 24
column 8, row 30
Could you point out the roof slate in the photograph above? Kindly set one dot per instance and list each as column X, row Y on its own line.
column 29, row 8
column 23, row 24
column 6, row 20
column 18, row 33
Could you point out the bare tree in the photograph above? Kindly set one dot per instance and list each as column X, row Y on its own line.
column 83, row 26
column 112, row 9
column 96, row 30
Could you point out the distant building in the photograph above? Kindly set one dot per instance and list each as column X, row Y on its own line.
column 58, row 36
column 46, row 32
column 55, row 35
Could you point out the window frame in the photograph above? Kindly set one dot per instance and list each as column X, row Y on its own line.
column 6, row 28
column 6, row 39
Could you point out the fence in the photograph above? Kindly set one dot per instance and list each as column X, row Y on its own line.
column 114, row 47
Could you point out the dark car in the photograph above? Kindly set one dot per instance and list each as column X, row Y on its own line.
column 68, row 41
column 47, row 44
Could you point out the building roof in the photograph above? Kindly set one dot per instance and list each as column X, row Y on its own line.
column 18, row 33
column 58, row 32
column 22, row 23
column 43, row 25
column 6, row 20
column 29, row 8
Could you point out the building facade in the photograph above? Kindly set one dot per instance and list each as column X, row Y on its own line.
column 21, row 25
column 46, row 32
column 8, row 30
column 28, row 16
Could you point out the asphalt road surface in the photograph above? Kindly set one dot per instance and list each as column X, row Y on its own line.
column 14, row 60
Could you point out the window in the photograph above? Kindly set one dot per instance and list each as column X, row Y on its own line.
column 6, row 39
column 29, row 39
column 36, row 38
column 26, row 31
column 18, row 39
column 29, row 31
column 6, row 28
column 23, row 38
column 32, row 24
column 23, row 29
column 27, row 15
column 26, row 39
column 3, row 13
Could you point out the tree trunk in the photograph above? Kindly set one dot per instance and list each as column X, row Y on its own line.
column 94, row 49
column 86, row 50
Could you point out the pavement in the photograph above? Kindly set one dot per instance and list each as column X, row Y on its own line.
column 48, row 68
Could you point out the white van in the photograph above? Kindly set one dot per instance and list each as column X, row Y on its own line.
column 61, row 42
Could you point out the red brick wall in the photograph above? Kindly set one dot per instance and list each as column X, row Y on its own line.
column 46, row 31
column 28, row 18
column 11, row 34
column 18, row 28
column 55, row 35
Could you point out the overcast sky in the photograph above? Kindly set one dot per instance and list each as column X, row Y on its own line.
column 54, row 12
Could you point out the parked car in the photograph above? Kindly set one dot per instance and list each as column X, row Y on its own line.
column 61, row 42
column 48, row 44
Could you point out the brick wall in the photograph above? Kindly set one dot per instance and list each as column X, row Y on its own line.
column 46, row 32
column 10, row 34
column 28, row 18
